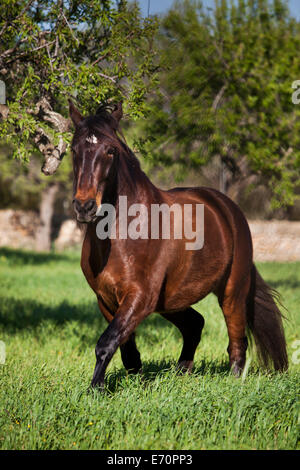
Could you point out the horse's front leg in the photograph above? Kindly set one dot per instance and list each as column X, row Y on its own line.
column 129, row 314
column 129, row 353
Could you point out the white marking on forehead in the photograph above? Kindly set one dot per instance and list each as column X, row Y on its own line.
column 92, row 139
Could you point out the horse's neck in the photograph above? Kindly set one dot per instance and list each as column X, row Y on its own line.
column 135, row 184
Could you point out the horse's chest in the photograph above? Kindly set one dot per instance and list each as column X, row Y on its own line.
column 108, row 289
column 107, row 282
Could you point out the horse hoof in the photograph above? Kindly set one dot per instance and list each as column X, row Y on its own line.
column 96, row 386
column 135, row 371
column 236, row 369
column 185, row 367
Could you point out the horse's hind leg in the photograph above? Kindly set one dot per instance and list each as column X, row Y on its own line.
column 190, row 323
column 234, row 305
column 130, row 355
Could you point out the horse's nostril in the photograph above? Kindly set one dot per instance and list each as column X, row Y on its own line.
column 85, row 209
column 77, row 205
column 90, row 205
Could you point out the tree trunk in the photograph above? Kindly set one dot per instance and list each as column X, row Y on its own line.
column 43, row 233
column 223, row 179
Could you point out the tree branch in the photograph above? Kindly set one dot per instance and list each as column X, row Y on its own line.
column 44, row 110
column 218, row 97
column 9, row 22
column 9, row 52
column 112, row 79
column 53, row 154
column 4, row 110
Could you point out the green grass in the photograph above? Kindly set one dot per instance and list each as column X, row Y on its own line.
column 49, row 321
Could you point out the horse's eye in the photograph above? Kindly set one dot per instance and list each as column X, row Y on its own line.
column 111, row 152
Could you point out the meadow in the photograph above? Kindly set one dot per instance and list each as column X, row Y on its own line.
column 50, row 323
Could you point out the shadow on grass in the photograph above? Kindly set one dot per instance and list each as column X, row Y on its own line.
column 286, row 283
column 152, row 370
column 21, row 314
column 15, row 257
column 16, row 314
column 29, row 315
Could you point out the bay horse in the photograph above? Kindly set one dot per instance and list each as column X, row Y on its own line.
column 134, row 277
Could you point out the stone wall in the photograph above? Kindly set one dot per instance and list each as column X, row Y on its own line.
column 69, row 235
column 17, row 228
column 273, row 240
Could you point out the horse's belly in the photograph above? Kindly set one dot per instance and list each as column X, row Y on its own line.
column 191, row 281
column 181, row 295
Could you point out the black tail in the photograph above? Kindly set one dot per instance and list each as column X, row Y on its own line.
column 264, row 320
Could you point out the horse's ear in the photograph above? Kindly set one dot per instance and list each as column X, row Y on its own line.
column 117, row 113
column 74, row 114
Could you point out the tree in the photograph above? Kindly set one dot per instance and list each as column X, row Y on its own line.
column 226, row 93
column 52, row 50
column 23, row 186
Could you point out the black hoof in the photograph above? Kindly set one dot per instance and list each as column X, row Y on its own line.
column 96, row 386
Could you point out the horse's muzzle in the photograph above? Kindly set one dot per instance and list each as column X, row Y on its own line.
column 85, row 210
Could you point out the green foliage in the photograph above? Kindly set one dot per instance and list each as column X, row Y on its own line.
column 96, row 52
column 227, row 91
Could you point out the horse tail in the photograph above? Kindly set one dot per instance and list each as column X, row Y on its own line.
column 264, row 321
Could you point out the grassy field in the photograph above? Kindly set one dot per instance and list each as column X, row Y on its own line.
column 49, row 321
